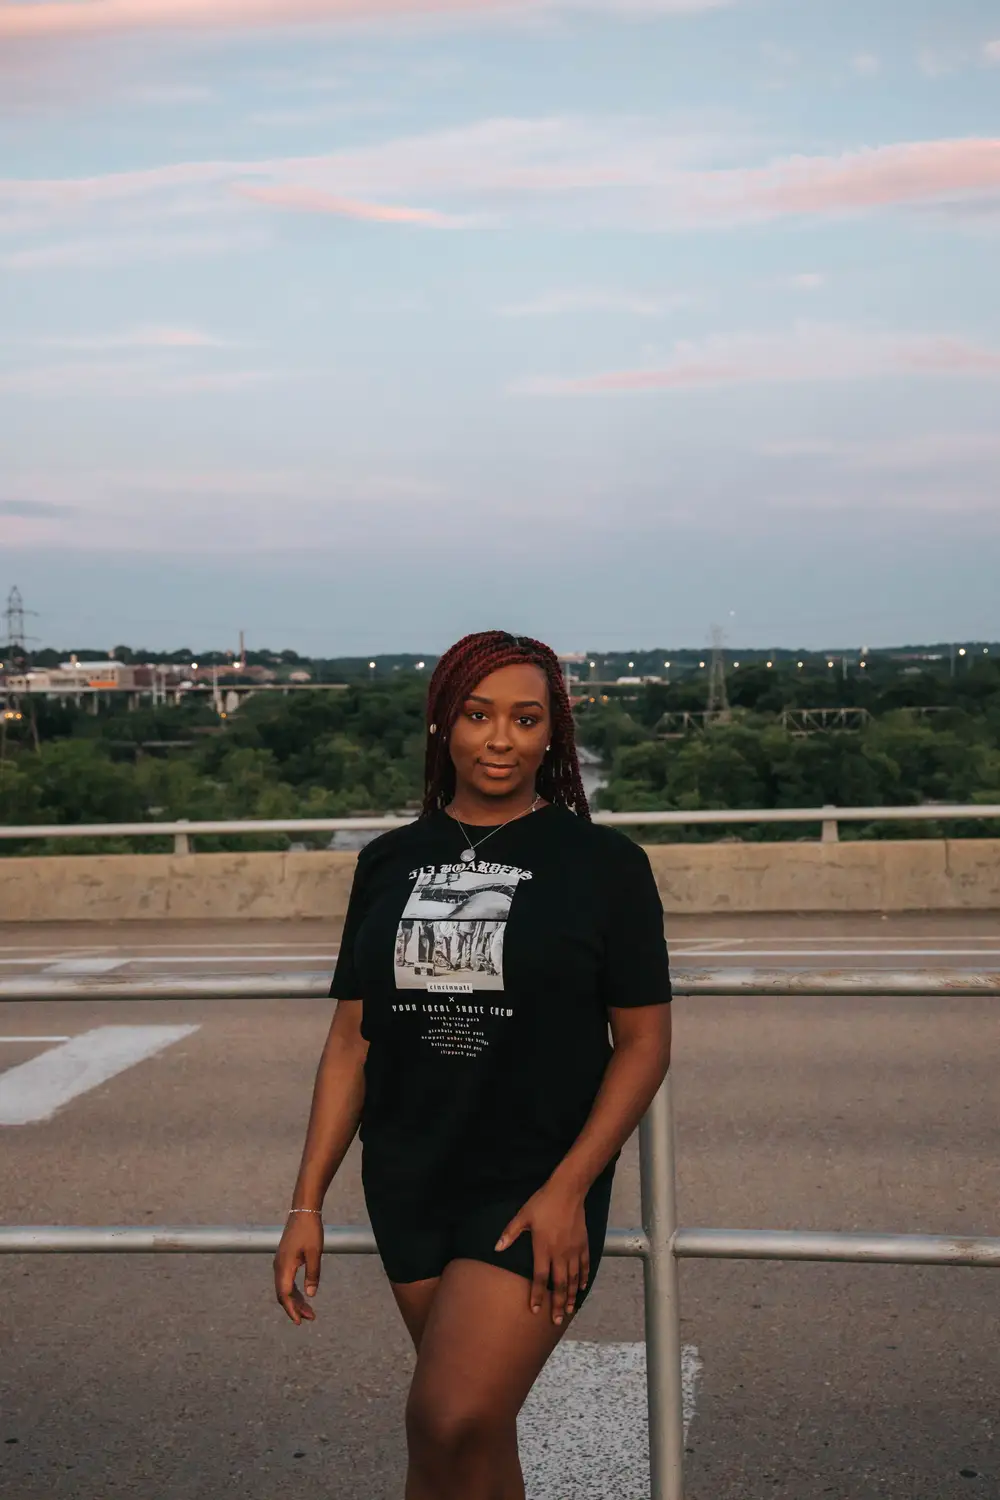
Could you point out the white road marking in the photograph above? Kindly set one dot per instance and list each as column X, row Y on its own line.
column 34, row 1090
column 708, row 945
column 582, row 1433
column 749, row 953
column 105, row 965
column 84, row 965
column 34, row 1038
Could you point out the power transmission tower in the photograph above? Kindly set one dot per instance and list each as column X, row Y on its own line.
column 14, row 643
column 718, row 702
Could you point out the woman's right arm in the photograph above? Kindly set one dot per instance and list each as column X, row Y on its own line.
column 338, row 1095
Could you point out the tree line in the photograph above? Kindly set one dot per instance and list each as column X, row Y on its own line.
column 930, row 738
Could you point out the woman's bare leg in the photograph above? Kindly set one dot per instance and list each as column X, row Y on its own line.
column 480, row 1350
column 414, row 1299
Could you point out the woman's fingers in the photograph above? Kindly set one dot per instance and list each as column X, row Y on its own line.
column 560, row 1287
column 514, row 1230
column 286, row 1265
column 584, row 1267
column 572, row 1284
column 313, row 1259
column 285, row 1290
column 540, row 1279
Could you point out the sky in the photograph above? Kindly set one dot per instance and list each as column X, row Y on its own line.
column 357, row 326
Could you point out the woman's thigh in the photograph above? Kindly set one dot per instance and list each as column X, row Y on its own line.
column 481, row 1347
column 414, row 1300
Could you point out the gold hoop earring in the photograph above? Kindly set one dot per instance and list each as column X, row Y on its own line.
column 433, row 729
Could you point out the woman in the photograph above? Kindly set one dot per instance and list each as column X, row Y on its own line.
column 488, row 949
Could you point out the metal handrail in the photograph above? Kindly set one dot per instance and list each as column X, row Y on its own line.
column 307, row 984
column 190, row 828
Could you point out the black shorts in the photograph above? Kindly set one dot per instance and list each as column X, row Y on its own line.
column 415, row 1245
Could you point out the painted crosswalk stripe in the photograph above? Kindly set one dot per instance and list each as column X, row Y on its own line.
column 583, row 1430
column 35, row 1089
column 84, row 965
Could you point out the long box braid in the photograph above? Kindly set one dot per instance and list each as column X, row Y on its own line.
column 458, row 671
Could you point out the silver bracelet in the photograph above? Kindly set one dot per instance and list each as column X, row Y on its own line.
column 306, row 1211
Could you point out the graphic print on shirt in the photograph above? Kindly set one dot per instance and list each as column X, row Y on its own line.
column 451, row 932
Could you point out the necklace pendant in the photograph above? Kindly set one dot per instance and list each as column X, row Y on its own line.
column 468, row 855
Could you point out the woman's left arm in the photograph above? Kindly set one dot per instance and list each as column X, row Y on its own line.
column 555, row 1214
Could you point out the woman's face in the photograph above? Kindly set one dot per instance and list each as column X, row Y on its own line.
column 498, row 740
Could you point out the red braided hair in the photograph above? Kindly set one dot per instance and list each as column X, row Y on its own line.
column 458, row 671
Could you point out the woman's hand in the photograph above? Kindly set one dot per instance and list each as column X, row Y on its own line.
column 558, row 1228
column 301, row 1245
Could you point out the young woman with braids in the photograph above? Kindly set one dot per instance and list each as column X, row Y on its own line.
column 501, row 1027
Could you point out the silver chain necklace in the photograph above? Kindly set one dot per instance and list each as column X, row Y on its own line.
column 469, row 854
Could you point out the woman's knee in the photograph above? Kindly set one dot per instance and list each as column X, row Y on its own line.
column 449, row 1429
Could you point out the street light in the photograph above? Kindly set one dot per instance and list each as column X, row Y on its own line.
column 770, row 663
column 961, row 650
column 420, row 666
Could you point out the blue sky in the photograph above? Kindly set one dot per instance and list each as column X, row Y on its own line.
column 359, row 326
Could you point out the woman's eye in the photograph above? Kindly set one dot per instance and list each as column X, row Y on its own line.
column 527, row 721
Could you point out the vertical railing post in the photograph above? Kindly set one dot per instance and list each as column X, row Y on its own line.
column 182, row 841
column 830, row 832
column 663, row 1323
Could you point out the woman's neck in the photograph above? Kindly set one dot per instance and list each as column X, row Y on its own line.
column 470, row 806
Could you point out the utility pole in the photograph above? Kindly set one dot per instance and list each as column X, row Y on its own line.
column 243, row 653
column 718, row 700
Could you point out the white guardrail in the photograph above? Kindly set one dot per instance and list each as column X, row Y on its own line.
column 183, row 830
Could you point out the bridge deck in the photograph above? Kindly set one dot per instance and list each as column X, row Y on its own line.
column 133, row 1377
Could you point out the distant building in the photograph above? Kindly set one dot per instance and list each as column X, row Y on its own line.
column 73, row 676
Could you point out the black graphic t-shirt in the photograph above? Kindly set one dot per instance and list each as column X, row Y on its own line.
column 486, row 987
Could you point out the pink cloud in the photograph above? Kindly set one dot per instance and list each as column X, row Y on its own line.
column 58, row 18
column 314, row 201
column 876, row 177
column 561, row 170
column 808, row 353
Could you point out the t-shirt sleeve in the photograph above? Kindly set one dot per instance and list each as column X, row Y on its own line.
column 346, row 984
column 636, row 965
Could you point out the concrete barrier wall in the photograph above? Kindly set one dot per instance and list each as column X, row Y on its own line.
column 889, row 876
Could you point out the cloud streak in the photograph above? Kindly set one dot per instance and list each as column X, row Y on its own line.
column 46, row 19
column 105, row 251
column 153, row 337
column 314, row 201
column 809, row 353
column 122, row 378
column 571, row 170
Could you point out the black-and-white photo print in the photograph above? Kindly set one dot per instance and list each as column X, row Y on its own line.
column 466, row 952
column 467, row 893
column 452, row 928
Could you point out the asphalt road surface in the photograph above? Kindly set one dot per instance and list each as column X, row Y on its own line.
column 177, row 1376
